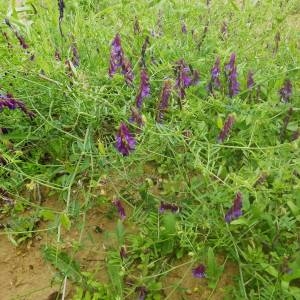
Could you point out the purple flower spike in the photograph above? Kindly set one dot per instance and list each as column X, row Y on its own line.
column 168, row 206
column 164, row 101
column 250, row 80
column 144, row 90
column 184, row 77
column 231, row 72
column 235, row 211
column 230, row 66
column 215, row 76
column 226, row 129
column 127, row 71
column 125, row 142
column 142, row 291
column 286, row 91
column 117, row 203
column 233, row 83
column 199, row 272
column 183, row 28
column 11, row 103
column 116, row 55
column 136, row 117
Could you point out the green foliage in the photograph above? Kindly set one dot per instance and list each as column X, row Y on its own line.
column 67, row 150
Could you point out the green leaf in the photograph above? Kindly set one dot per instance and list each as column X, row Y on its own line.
column 47, row 215
column 270, row 269
column 65, row 221
column 63, row 262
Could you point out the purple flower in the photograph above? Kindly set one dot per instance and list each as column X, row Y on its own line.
column 185, row 77
column 286, row 91
column 226, row 129
column 230, row 66
column 250, row 80
column 235, row 211
column 164, row 100
column 125, row 142
column 116, row 55
column 117, row 203
column 231, row 72
column 123, row 252
column 11, row 103
column 233, row 83
column 136, row 117
column 199, row 272
column 168, row 206
column 142, row 291
column 215, row 76
column 144, row 90
column 183, row 28
column 127, row 71
column 118, row 60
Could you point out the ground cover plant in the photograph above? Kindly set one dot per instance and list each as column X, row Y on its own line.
column 150, row 149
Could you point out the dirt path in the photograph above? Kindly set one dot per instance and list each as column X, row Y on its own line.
column 20, row 268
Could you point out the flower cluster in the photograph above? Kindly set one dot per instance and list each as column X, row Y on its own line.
column 144, row 90
column 118, row 60
column 231, row 72
column 286, row 91
column 226, row 129
column 8, row 101
column 118, row 204
column 185, row 77
column 164, row 100
column 136, row 117
column 235, row 211
column 215, row 76
column 125, row 142
column 199, row 271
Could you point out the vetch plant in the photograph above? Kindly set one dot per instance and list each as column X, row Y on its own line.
column 224, row 133
column 286, row 91
column 163, row 103
column 199, row 271
column 231, row 73
column 125, row 142
column 118, row 204
column 144, row 90
column 235, row 210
